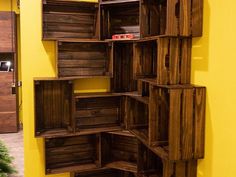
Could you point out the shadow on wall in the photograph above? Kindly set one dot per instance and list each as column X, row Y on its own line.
column 200, row 63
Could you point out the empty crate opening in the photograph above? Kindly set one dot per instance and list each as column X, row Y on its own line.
column 123, row 80
column 83, row 59
column 64, row 19
column 120, row 152
column 120, row 19
column 145, row 59
column 53, row 104
column 139, row 115
column 153, row 17
column 71, row 153
column 98, row 112
column 150, row 164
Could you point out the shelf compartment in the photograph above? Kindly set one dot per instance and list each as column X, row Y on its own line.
column 119, row 18
column 166, row 59
column 123, row 79
column 71, row 154
column 93, row 111
column 176, row 121
column 53, row 107
column 172, row 18
column 119, row 152
column 84, row 59
column 70, row 19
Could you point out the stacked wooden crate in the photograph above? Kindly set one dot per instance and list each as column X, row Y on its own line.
column 152, row 122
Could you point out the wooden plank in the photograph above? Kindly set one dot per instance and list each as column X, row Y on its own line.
column 191, row 168
column 180, row 169
column 174, row 124
column 162, row 70
column 185, row 18
column 174, row 61
column 8, row 122
column 187, row 124
column 197, row 18
column 171, row 19
column 67, row 72
column 153, row 113
column 185, row 71
column 168, row 168
column 199, row 122
column 8, row 103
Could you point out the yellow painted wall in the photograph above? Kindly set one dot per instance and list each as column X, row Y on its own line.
column 213, row 65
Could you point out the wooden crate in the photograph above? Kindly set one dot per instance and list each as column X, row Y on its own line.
column 71, row 154
column 84, row 59
column 53, row 107
column 118, row 17
column 151, row 18
column 70, row 19
column 8, row 35
column 98, row 112
column 166, row 59
column 105, row 173
column 176, row 121
column 123, row 79
column 120, row 151
column 171, row 18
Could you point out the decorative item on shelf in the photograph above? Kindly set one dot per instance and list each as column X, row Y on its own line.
column 122, row 36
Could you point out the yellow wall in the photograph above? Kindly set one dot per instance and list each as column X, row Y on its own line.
column 213, row 65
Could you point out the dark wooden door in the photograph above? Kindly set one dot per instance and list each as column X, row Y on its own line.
column 8, row 73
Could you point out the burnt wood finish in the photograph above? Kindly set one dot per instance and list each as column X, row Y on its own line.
column 151, row 96
column 78, row 153
column 98, row 111
column 120, row 152
column 53, row 106
column 119, row 18
column 175, row 125
column 147, row 18
column 123, row 79
column 7, row 32
column 166, row 59
column 84, row 59
column 70, row 19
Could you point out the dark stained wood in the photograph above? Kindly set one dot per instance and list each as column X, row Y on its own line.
column 197, row 18
column 84, row 59
column 53, row 106
column 123, row 79
column 120, row 18
column 68, row 154
column 69, row 19
column 97, row 111
column 120, row 152
column 7, row 32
